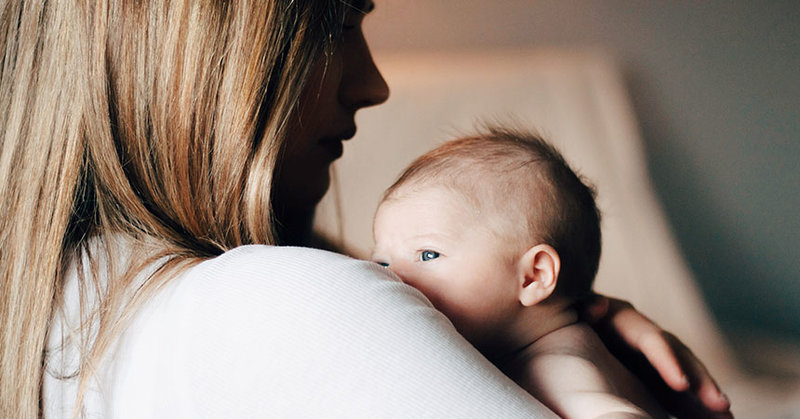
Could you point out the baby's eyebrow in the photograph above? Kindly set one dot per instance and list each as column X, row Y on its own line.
column 435, row 236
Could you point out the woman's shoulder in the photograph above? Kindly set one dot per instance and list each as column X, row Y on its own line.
column 257, row 258
column 253, row 292
column 296, row 332
column 261, row 320
column 261, row 269
column 267, row 282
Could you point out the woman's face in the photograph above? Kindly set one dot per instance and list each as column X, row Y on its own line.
column 340, row 85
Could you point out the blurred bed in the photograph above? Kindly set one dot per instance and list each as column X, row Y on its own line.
column 577, row 100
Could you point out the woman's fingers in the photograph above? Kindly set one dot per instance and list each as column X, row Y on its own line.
column 594, row 308
column 661, row 355
column 676, row 364
column 702, row 384
column 695, row 392
column 644, row 336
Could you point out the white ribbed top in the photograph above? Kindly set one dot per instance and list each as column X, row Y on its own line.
column 289, row 332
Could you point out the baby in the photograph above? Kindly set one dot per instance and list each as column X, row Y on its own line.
column 503, row 238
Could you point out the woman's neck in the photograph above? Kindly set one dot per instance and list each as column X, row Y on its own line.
column 294, row 227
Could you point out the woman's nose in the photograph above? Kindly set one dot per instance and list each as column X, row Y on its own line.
column 362, row 82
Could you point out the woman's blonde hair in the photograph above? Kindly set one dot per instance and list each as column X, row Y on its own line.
column 159, row 120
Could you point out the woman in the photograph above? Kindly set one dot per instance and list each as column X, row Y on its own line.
column 145, row 143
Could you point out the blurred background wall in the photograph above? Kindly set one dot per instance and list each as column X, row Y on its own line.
column 716, row 89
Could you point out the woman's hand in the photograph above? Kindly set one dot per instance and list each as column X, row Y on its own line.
column 670, row 370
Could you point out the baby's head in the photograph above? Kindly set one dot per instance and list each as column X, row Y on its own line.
column 487, row 225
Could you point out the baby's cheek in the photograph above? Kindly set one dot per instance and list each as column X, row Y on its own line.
column 439, row 296
column 476, row 315
column 461, row 305
column 465, row 313
column 471, row 327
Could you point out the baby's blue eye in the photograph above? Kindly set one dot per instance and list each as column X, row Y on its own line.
column 384, row 264
column 427, row 255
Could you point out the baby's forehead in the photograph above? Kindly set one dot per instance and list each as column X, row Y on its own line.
column 469, row 202
column 426, row 209
column 432, row 193
column 415, row 200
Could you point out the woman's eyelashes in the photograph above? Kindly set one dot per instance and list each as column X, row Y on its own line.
column 349, row 30
column 427, row 255
column 352, row 22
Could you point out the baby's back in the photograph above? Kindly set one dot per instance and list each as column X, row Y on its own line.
column 572, row 372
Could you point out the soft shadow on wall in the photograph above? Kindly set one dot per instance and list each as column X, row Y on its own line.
column 717, row 93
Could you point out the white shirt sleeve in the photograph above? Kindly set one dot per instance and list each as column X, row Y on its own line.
column 291, row 332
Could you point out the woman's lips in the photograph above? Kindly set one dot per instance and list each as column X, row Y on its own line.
column 333, row 144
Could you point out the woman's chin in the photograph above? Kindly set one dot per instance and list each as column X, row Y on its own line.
column 303, row 196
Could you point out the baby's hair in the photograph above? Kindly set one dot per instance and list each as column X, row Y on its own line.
column 498, row 165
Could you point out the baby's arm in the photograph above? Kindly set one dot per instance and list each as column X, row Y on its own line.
column 574, row 387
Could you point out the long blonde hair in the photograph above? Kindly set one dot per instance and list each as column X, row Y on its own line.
column 160, row 120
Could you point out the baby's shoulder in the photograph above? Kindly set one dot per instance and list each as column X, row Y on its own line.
column 575, row 384
column 576, row 342
column 579, row 354
column 571, row 367
column 578, row 374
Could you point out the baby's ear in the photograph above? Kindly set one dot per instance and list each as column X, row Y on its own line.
column 538, row 268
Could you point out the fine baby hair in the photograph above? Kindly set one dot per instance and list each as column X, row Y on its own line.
column 527, row 193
